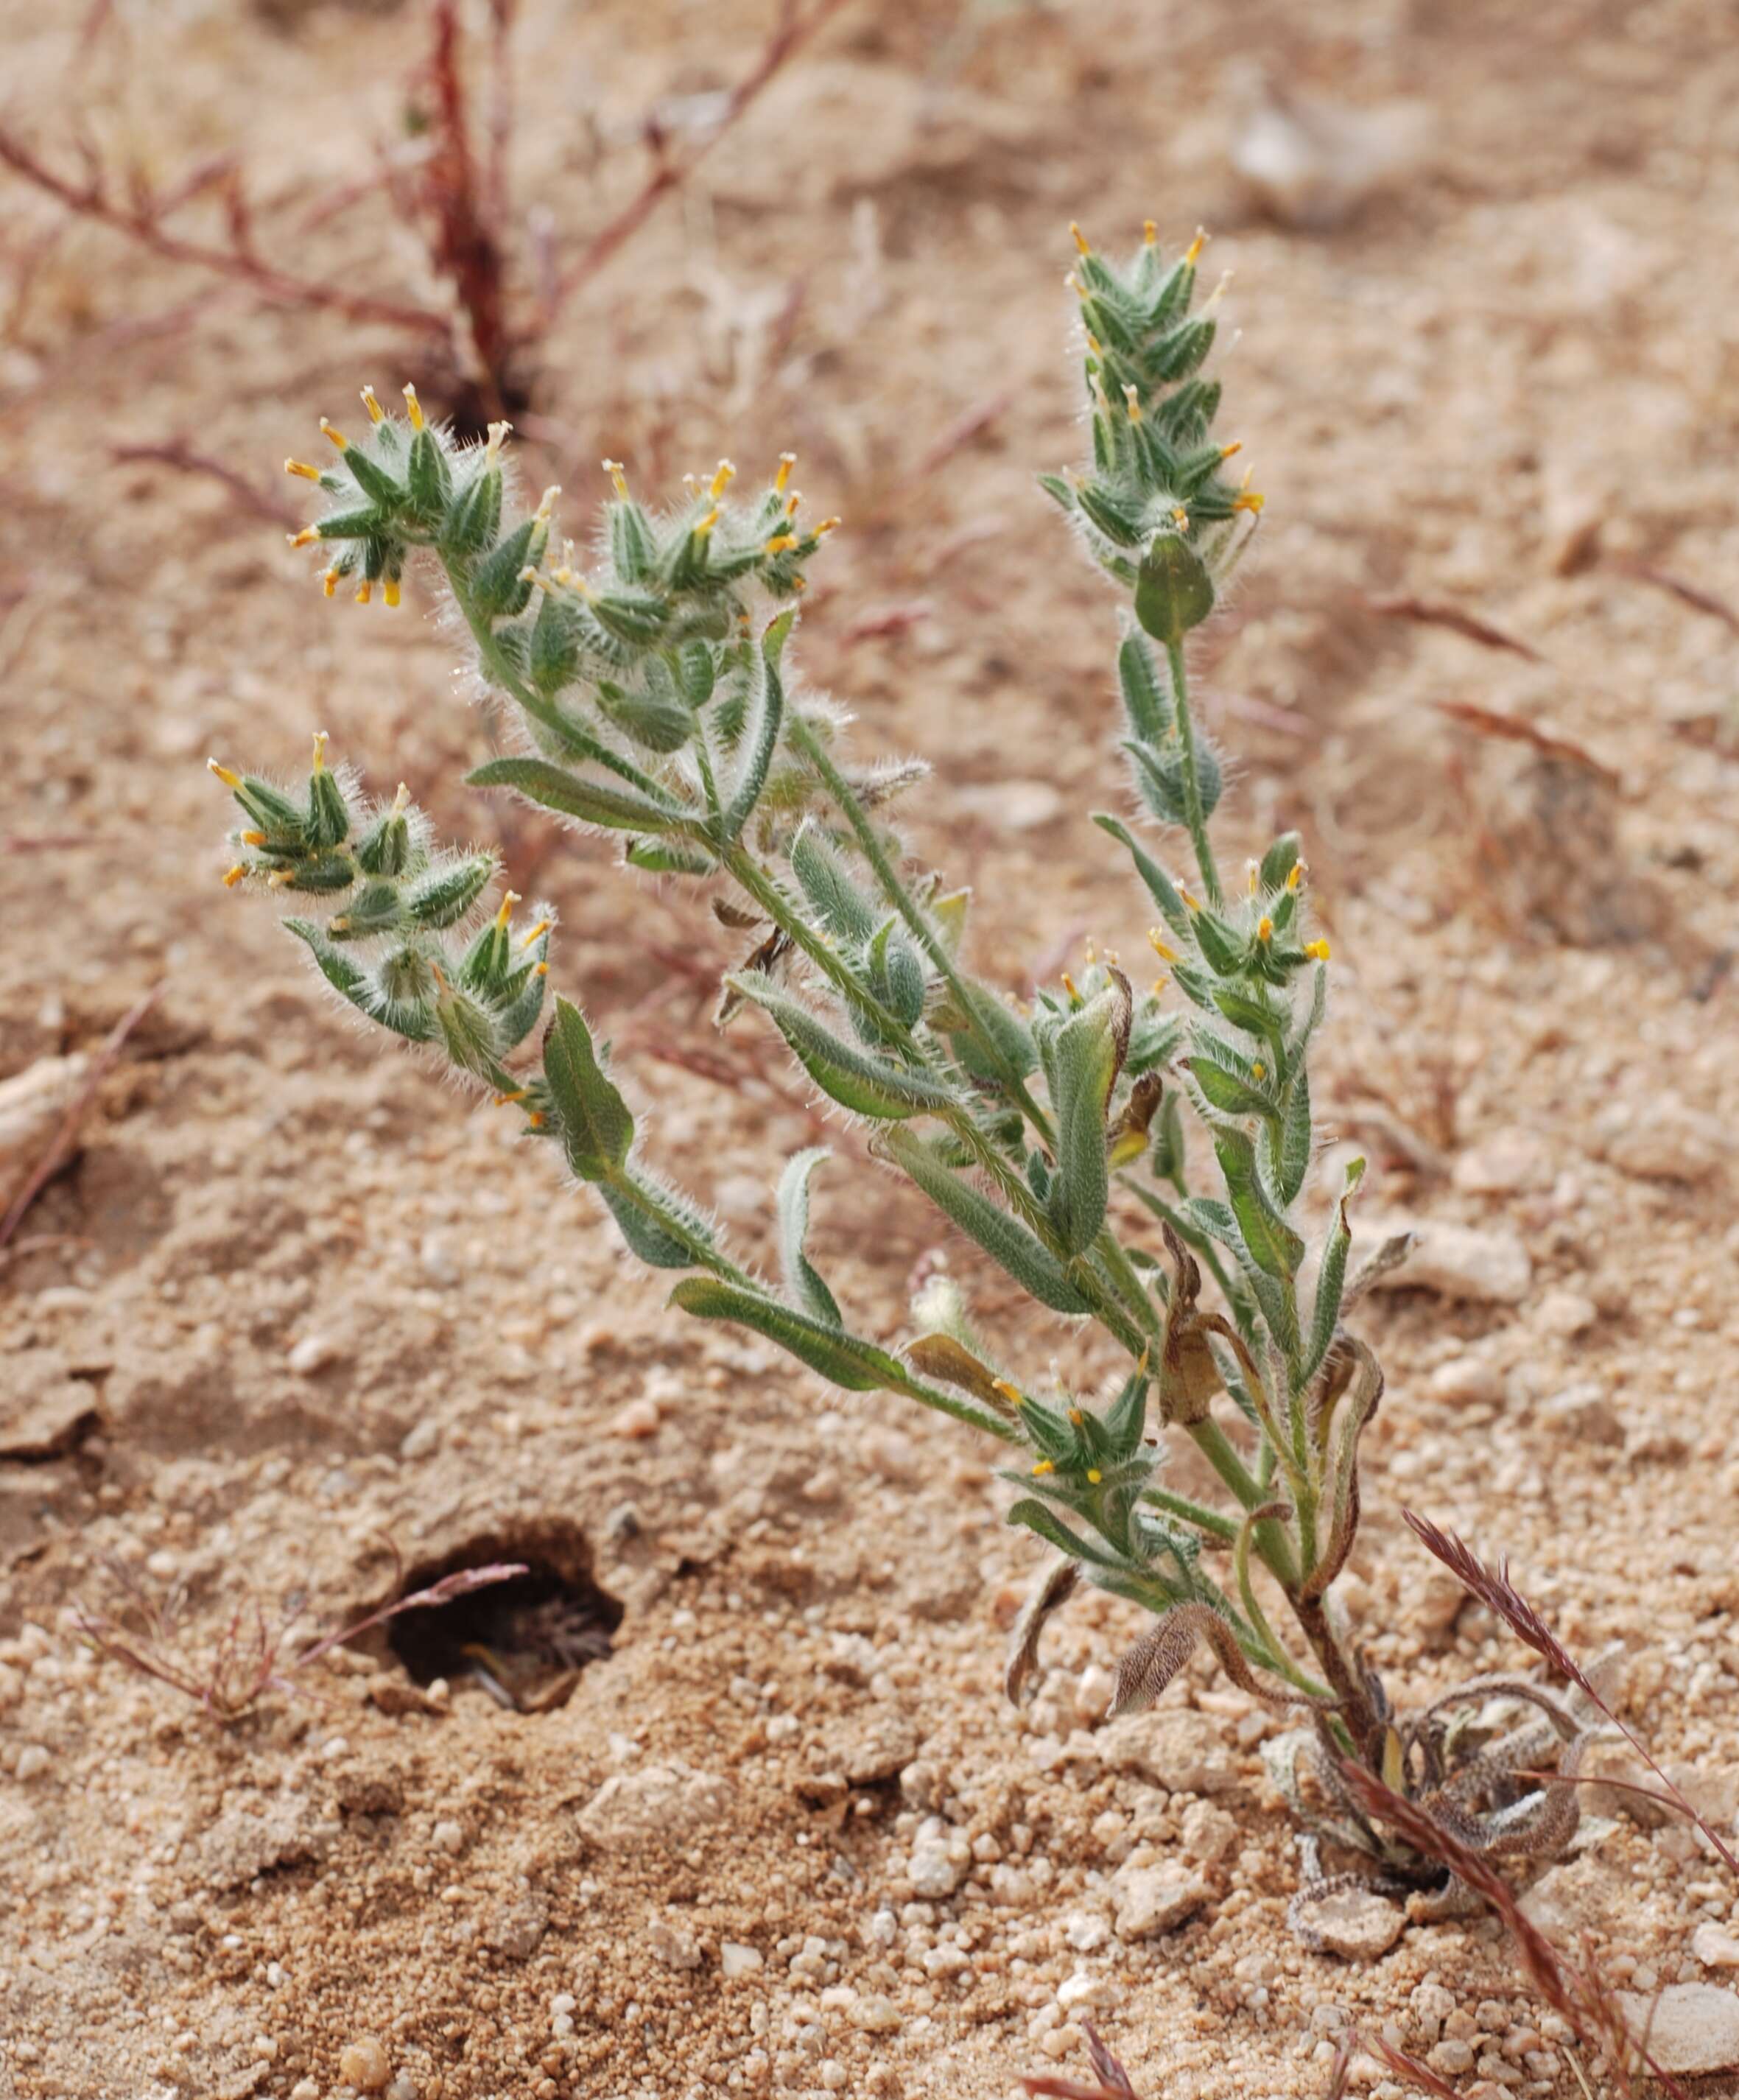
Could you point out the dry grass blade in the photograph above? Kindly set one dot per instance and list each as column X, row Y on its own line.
column 61, row 1145
column 1580, row 1997
column 1433, row 612
column 1408, row 2067
column 1112, row 2082
column 1488, row 721
column 247, row 1659
column 1500, row 1596
column 1690, row 594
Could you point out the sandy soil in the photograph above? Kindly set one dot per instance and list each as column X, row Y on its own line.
column 292, row 1301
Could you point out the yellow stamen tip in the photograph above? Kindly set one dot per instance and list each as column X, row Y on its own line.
column 787, row 461
column 334, row 435
column 281, row 878
column 1190, row 903
column 1132, row 402
column 1149, row 231
column 234, row 876
column 707, row 523
column 222, row 772
column 1317, row 950
column 330, row 582
column 390, row 592
column 1192, row 252
column 1068, row 985
column 795, row 504
column 252, row 838
column 376, row 413
column 542, row 970
column 305, row 537
column 781, row 543
column 619, row 479
column 1237, row 445
column 365, row 592
column 321, row 739
column 508, row 899
column 401, row 800
column 827, row 525
column 1160, row 946
column 1264, row 930
column 302, row 467
column 507, row 1100
column 1010, row 1391
column 1295, row 874
column 1180, row 518
column 1081, row 241
column 1258, row 1070
column 722, row 479
column 541, row 927
column 412, row 406
column 1094, row 1474
column 1076, row 1417
column 1249, row 501
column 1044, row 1465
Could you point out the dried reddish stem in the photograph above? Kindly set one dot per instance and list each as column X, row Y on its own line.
column 141, row 224
column 794, row 30
column 179, row 454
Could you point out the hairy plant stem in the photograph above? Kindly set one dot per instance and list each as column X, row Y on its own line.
column 1195, row 817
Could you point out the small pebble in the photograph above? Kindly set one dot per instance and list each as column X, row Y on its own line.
column 364, row 2063
column 32, row 1760
column 313, row 1353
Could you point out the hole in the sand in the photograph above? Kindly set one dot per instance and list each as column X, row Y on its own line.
column 525, row 1641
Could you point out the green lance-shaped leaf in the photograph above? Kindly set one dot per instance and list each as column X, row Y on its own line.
column 1291, row 1145
column 553, row 789
column 761, row 734
column 1008, row 1241
column 827, row 884
column 857, row 1365
column 1037, row 1517
column 647, row 1237
column 1087, row 1054
column 444, row 896
column 1173, row 592
column 801, row 1279
column 1149, row 707
column 597, row 1129
column 1280, row 860
column 1160, row 776
column 1230, row 1092
column 1159, row 884
column 1331, row 1277
column 1272, row 1244
column 857, row 1079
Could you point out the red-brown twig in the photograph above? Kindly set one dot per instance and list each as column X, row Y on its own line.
column 1500, row 1596
column 464, row 244
column 179, row 454
column 61, row 1145
column 1111, row 2081
column 793, row 30
column 140, row 222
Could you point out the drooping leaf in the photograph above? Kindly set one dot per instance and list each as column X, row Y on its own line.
column 1008, row 1241
column 857, row 1079
column 553, row 787
column 841, row 1359
column 801, row 1279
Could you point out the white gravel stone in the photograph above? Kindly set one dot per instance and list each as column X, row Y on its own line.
column 1693, row 2029
column 1715, row 1946
column 937, row 1866
column 1151, row 1900
column 660, row 1803
column 736, row 1961
column 33, row 1761
column 1183, row 1751
column 312, row 1354
column 1356, row 1924
column 1484, row 1265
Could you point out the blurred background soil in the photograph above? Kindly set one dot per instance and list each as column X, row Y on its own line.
column 292, row 1314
